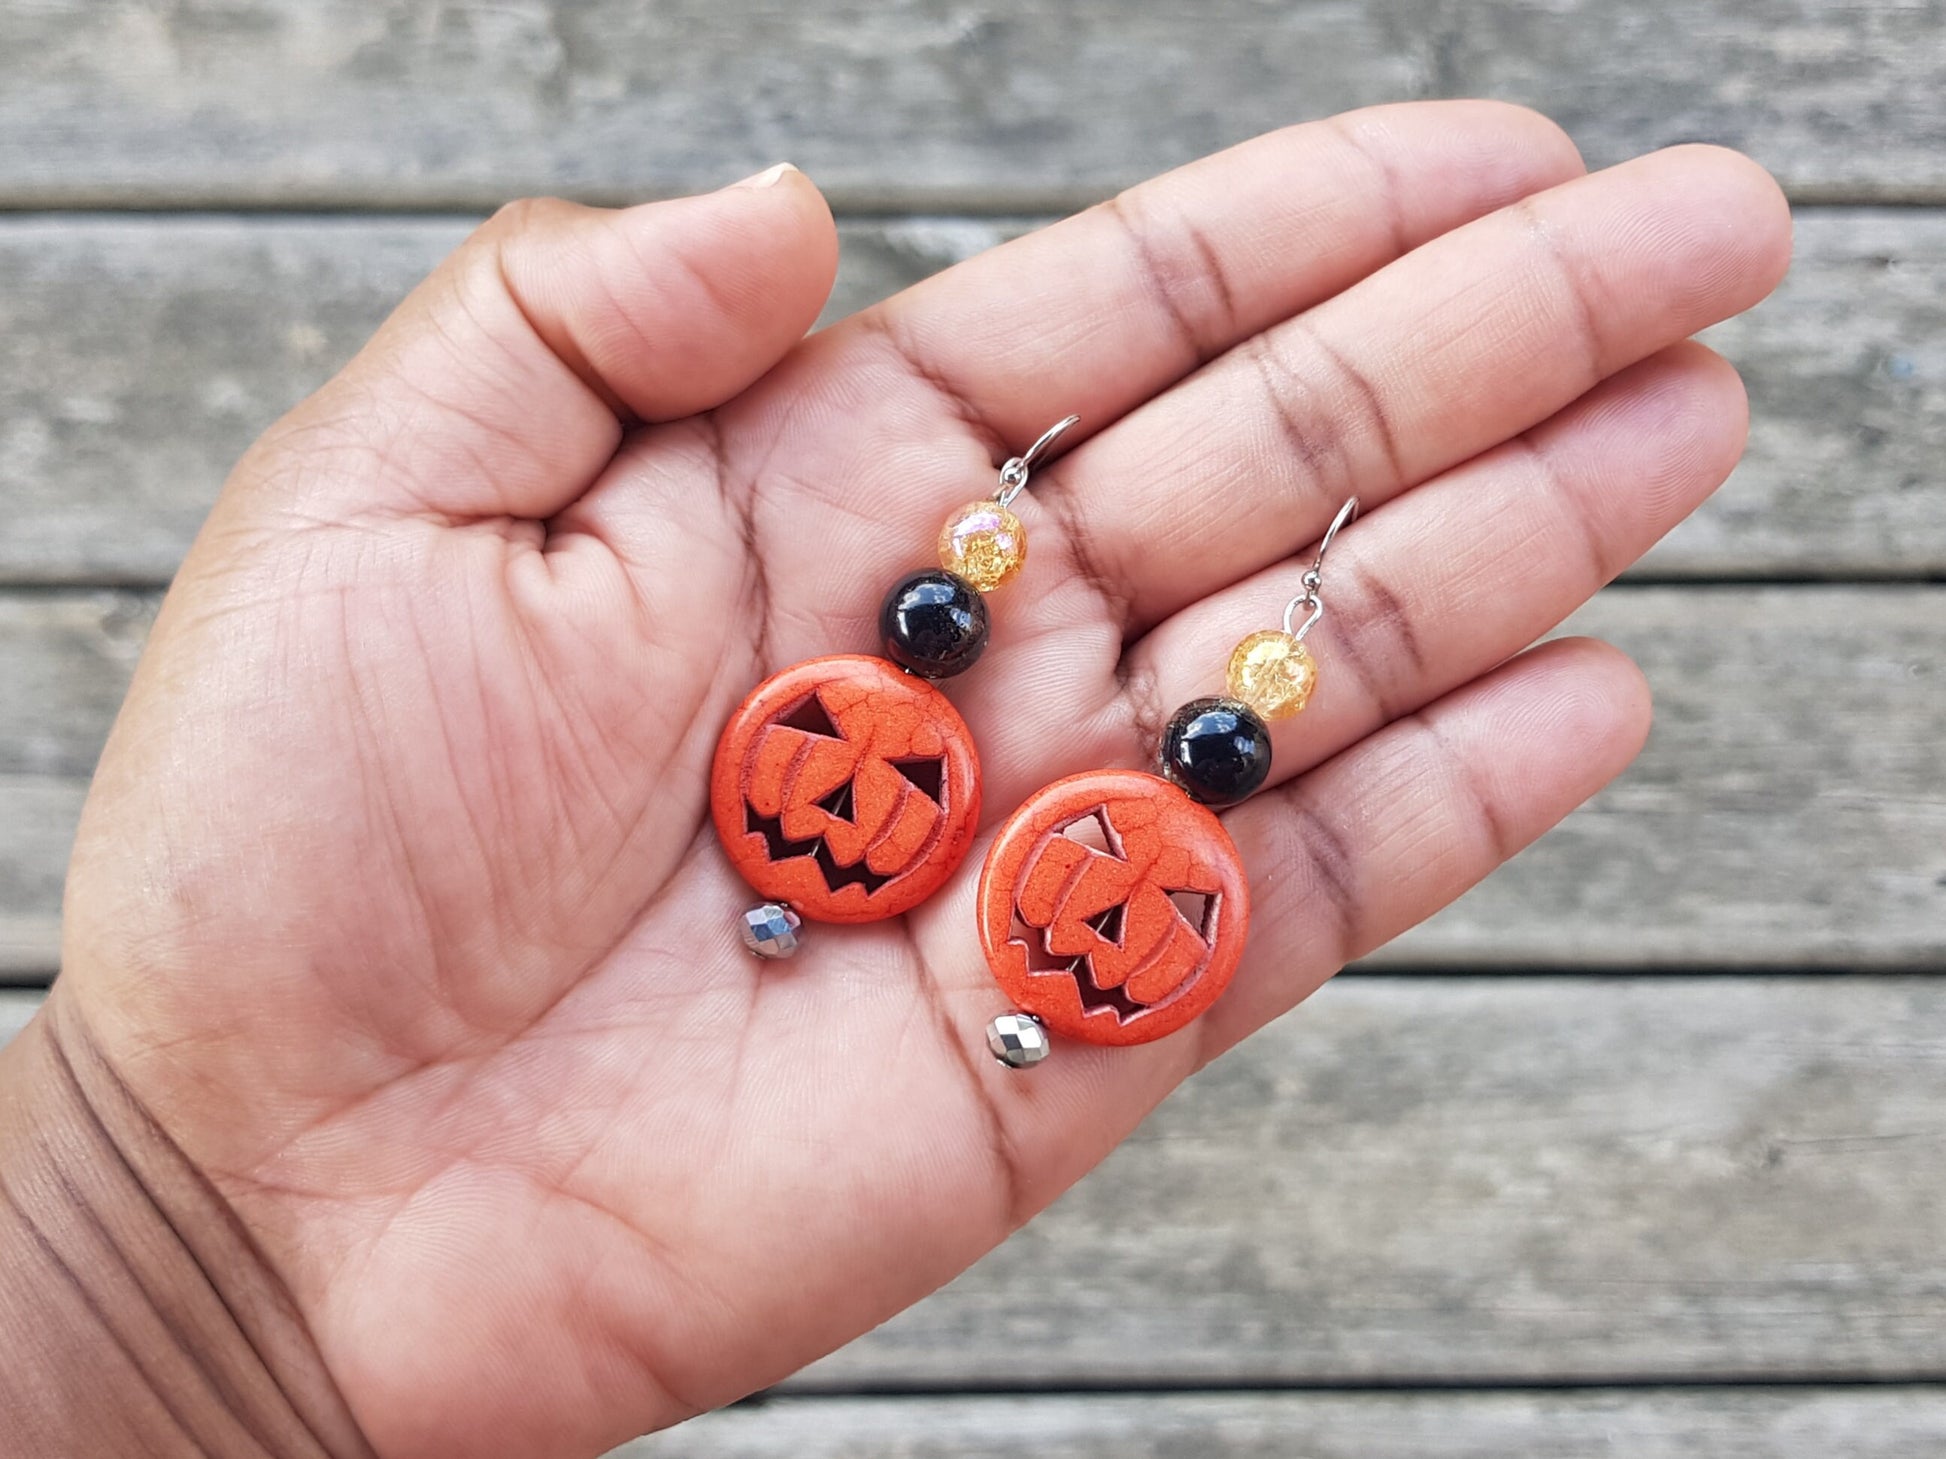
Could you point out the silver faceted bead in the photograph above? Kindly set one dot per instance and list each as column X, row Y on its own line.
column 770, row 930
column 1018, row 1040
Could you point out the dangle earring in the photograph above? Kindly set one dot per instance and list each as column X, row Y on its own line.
column 847, row 789
column 1113, row 905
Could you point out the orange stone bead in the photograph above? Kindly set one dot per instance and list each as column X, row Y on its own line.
column 846, row 789
column 1113, row 907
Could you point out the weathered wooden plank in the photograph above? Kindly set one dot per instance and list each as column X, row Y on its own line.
column 138, row 360
column 1763, row 1423
column 65, row 659
column 1433, row 1181
column 139, row 357
column 1846, row 367
column 1452, row 1180
column 1790, row 810
column 1006, row 102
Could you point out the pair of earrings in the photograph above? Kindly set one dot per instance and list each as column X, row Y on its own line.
column 1113, row 906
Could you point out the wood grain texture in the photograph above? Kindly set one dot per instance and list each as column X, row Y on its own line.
column 1764, row 1423
column 1790, row 810
column 1846, row 369
column 138, row 360
column 1484, row 1179
column 1009, row 103
column 139, row 357
column 1418, row 1181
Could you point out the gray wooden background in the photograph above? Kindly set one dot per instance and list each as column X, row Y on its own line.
column 1641, row 1149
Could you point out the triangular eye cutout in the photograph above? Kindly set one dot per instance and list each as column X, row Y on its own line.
column 1039, row 959
column 838, row 803
column 1108, row 922
column 928, row 775
column 1198, row 909
column 811, row 717
column 771, row 828
column 1094, row 997
column 1096, row 832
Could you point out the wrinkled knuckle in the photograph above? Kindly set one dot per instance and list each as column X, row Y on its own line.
column 1180, row 270
column 1472, row 806
column 1326, row 859
column 1313, row 437
column 1387, row 614
column 1141, row 703
column 526, row 217
column 519, row 231
column 1358, row 654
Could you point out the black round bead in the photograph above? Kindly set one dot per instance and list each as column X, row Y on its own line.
column 1216, row 749
column 934, row 623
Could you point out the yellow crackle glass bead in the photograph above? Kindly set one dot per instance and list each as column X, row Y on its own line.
column 984, row 543
column 1273, row 673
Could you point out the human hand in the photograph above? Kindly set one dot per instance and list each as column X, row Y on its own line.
column 396, row 921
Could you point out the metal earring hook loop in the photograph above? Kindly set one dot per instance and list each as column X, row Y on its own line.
column 1347, row 514
column 1313, row 595
column 1013, row 476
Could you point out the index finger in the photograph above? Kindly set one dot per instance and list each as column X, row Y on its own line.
column 1099, row 312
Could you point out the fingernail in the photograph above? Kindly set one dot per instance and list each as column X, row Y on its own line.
column 768, row 177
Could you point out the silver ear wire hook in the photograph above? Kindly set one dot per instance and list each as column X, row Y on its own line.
column 1313, row 595
column 1013, row 476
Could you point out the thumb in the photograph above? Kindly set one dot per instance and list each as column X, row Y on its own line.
column 502, row 384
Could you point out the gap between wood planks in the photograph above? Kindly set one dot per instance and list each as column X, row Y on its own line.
column 848, row 204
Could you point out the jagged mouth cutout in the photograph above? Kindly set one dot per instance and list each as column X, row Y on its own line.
column 1094, row 830
column 926, row 774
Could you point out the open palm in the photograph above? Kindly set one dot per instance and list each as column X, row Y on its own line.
column 396, row 903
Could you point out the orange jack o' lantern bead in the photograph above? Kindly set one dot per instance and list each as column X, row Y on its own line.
column 846, row 789
column 1113, row 908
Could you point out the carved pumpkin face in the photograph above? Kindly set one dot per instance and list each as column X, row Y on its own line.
column 1113, row 907
column 845, row 788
